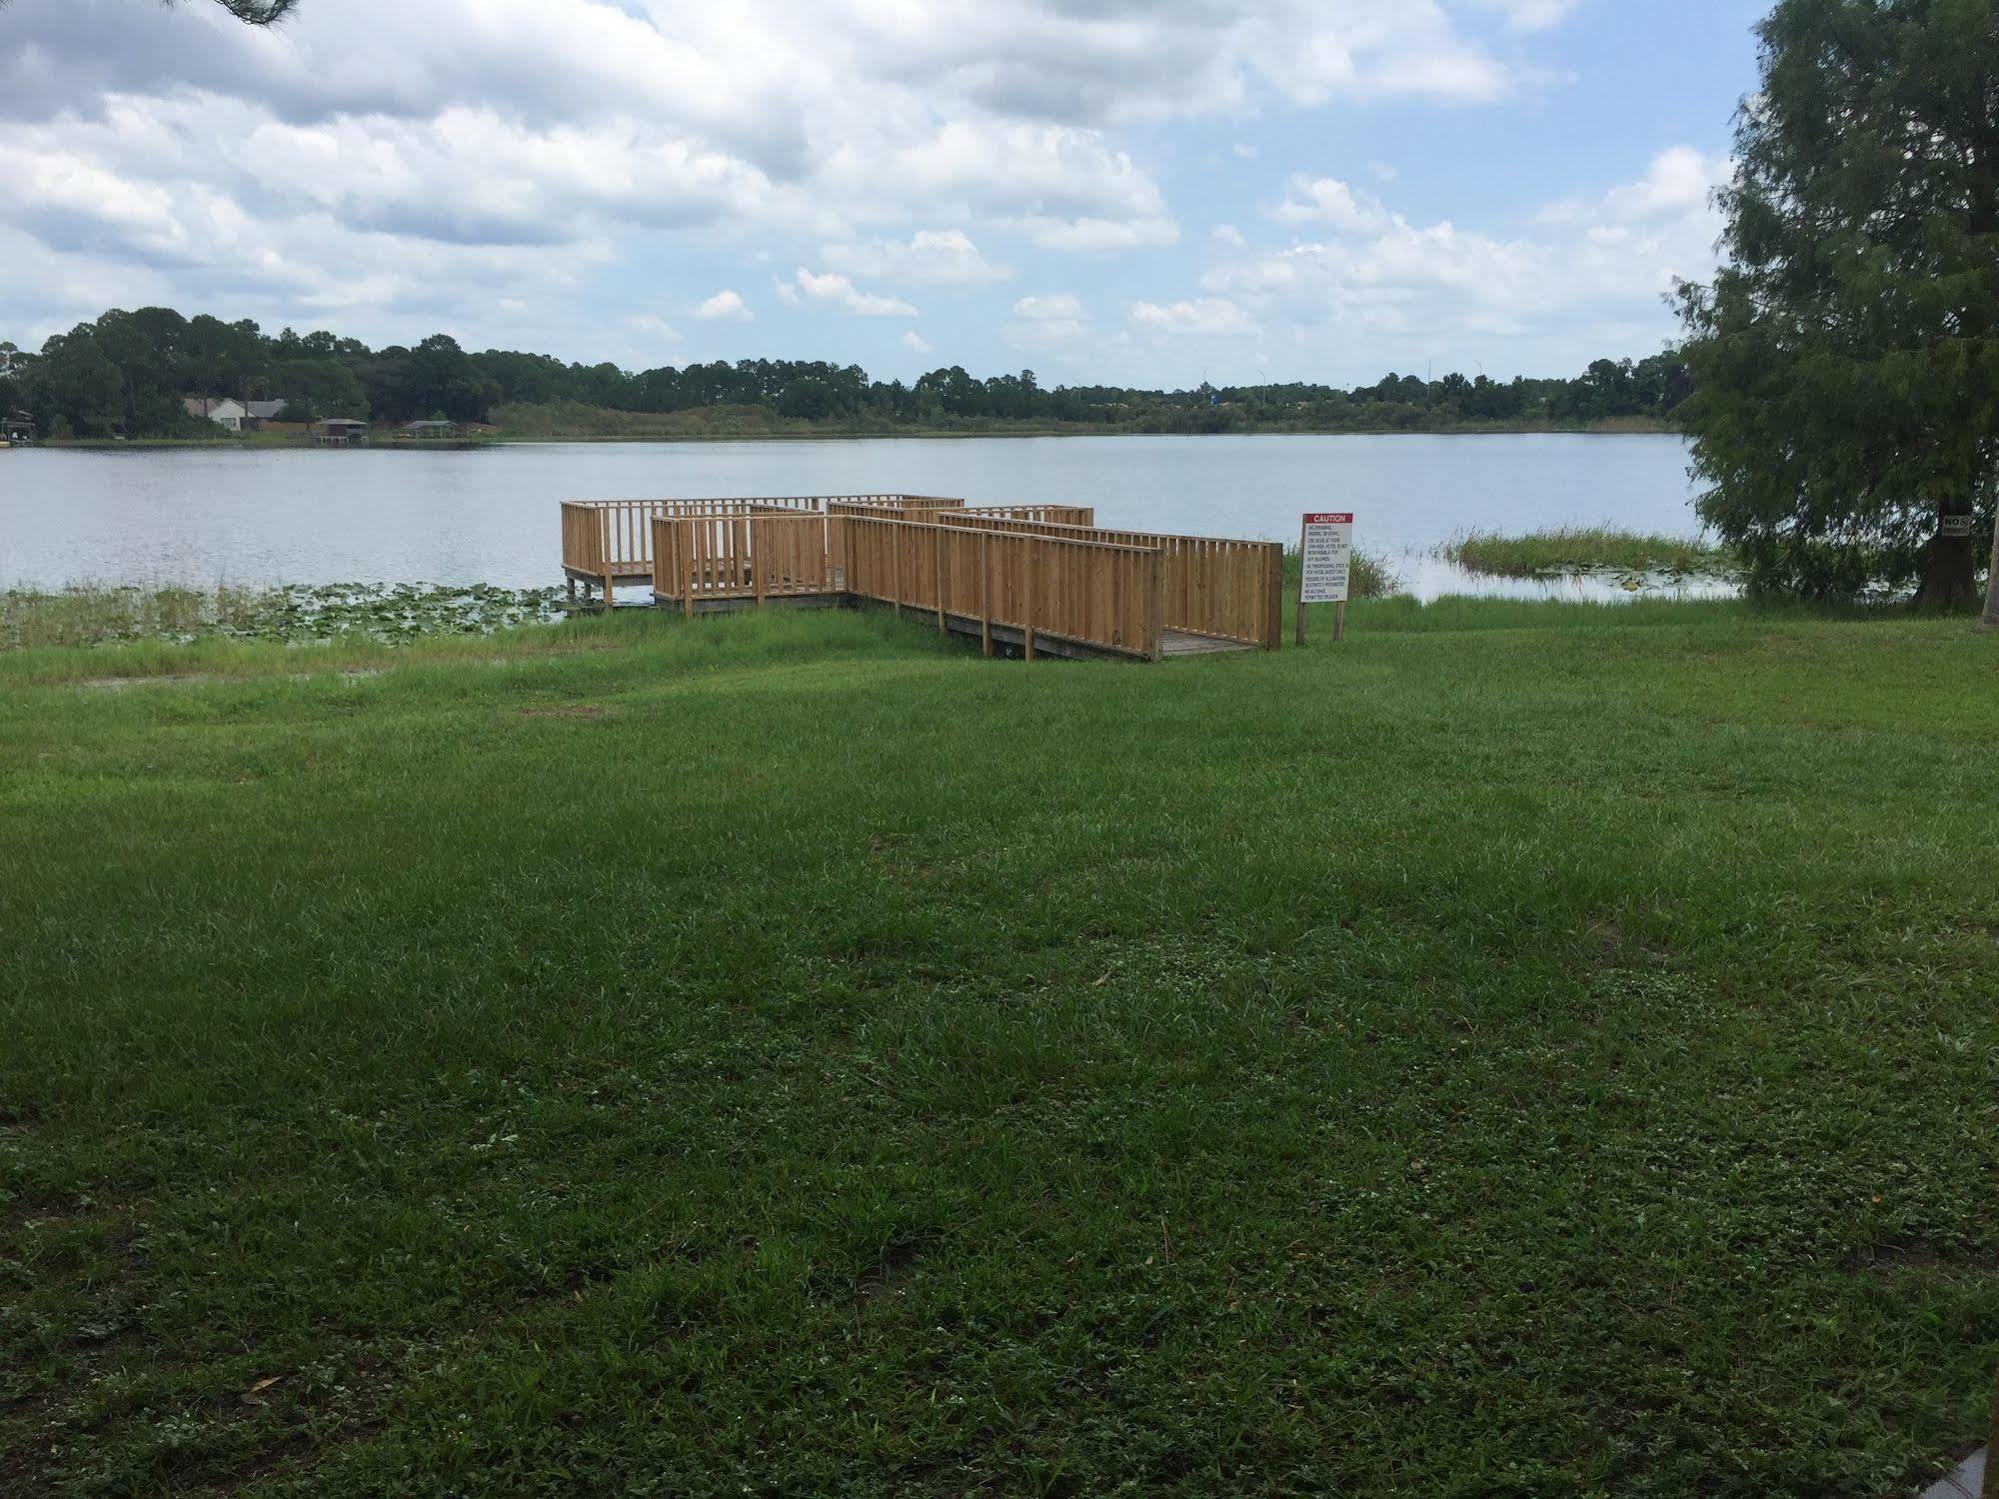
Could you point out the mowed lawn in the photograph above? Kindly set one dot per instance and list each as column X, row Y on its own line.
column 1522, row 1051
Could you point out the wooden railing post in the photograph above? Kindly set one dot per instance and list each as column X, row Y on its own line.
column 755, row 558
column 939, row 552
column 1155, row 631
column 985, row 594
column 895, row 559
column 604, row 554
column 1273, row 621
column 1029, row 553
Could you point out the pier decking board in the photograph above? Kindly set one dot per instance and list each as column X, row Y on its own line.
column 1180, row 643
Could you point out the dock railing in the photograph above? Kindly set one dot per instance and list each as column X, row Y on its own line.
column 758, row 555
column 608, row 541
column 1044, row 575
column 1043, row 587
column 1218, row 588
column 1061, row 515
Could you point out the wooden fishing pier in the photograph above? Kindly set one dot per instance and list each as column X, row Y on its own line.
column 1039, row 579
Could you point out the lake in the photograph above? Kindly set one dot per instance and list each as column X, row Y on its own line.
column 202, row 516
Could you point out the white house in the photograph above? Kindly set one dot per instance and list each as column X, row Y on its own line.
column 237, row 416
column 221, row 411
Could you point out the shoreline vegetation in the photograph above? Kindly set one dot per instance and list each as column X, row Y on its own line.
column 697, row 428
column 1580, row 551
column 153, row 373
column 944, row 1039
column 103, row 614
column 89, row 614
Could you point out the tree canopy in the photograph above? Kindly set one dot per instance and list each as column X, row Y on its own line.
column 1846, row 357
column 127, row 372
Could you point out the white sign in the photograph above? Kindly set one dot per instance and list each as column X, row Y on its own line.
column 1328, row 557
column 1955, row 525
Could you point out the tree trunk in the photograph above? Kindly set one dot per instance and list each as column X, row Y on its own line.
column 1950, row 565
column 1991, row 622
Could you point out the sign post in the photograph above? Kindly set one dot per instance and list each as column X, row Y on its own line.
column 1325, row 551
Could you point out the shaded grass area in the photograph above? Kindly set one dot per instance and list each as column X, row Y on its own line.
column 1522, row 1050
column 1567, row 550
column 94, row 614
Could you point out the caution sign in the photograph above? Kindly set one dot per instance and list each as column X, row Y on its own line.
column 1327, row 551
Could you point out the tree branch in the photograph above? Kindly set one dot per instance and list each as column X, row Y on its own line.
column 258, row 12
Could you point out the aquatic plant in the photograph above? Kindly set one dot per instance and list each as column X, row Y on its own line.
column 96, row 614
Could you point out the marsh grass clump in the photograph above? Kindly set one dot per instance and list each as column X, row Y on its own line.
column 1568, row 551
column 1369, row 578
column 98, row 614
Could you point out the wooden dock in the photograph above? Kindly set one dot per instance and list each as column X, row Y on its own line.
column 1032, row 579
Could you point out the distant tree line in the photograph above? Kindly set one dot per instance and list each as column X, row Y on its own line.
column 127, row 373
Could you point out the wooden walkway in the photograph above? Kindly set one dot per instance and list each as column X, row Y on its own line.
column 1180, row 643
column 1036, row 579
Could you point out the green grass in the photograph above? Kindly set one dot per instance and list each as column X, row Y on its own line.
column 1567, row 550
column 1524, row 1050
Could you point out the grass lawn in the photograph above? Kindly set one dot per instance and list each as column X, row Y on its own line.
column 1527, row 1050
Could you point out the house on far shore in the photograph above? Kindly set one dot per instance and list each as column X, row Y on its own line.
column 430, row 429
column 340, row 432
column 231, row 414
column 221, row 410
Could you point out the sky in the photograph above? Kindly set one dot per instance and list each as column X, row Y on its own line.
column 1147, row 192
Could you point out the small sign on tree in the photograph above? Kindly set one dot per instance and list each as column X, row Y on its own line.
column 1325, row 552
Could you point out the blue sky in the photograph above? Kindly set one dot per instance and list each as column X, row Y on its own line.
column 1131, row 191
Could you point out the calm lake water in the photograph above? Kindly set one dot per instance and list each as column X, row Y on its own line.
column 372, row 515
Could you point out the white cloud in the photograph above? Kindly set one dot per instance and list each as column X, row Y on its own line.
column 933, row 257
column 916, row 343
column 1532, row 15
column 724, row 304
column 1583, row 273
column 1209, row 315
column 655, row 328
column 1228, row 236
column 840, row 292
column 508, row 167
column 1327, row 200
column 1099, row 235
column 1045, row 321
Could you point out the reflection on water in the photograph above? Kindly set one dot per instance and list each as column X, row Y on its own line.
column 201, row 516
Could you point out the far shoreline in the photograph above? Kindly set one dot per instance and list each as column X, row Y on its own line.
column 1621, row 427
